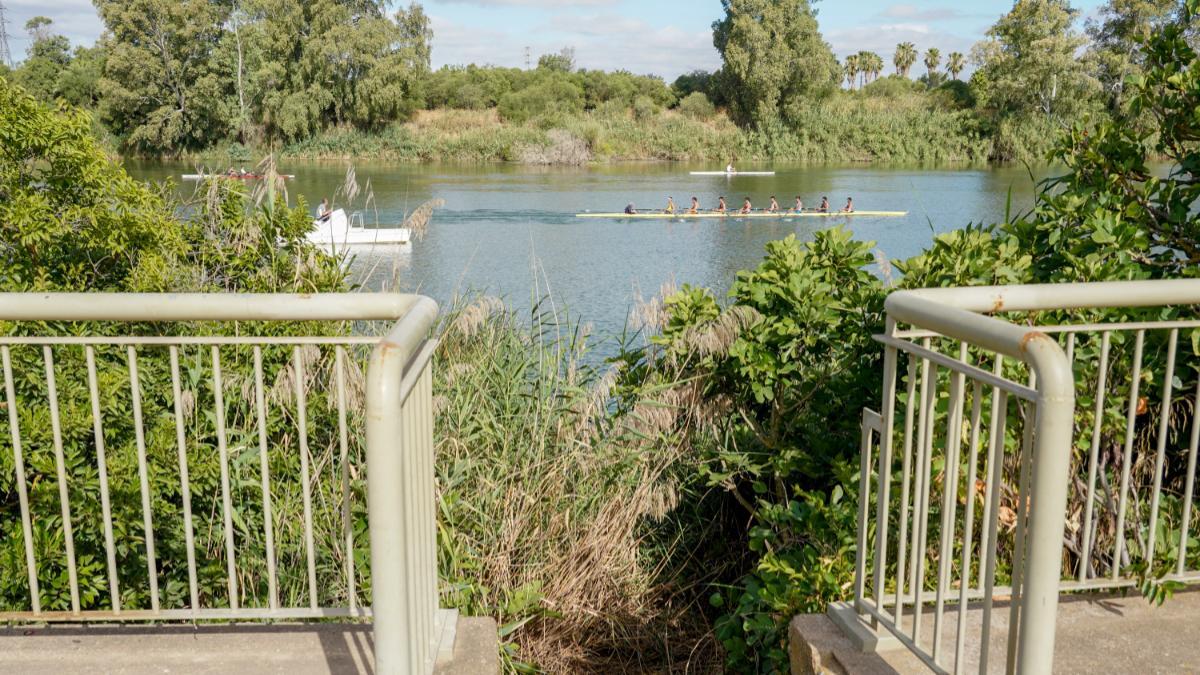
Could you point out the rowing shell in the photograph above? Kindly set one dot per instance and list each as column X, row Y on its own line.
column 735, row 214
column 735, row 173
column 201, row 176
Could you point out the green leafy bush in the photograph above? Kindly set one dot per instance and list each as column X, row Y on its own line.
column 697, row 105
column 554, row 96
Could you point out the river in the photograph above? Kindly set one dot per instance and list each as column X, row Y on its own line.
column 511, row 230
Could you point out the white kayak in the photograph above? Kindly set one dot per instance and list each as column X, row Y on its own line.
column 340, row 232
column 733, row 173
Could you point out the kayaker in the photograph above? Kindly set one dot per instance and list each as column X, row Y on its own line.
column 323, row 211
column 799, row 207
column 774, row 207
column 630, row 210
column 721, row 207
column 824, row 205
column 849, row 208
column 670, row 205
column 747, row 207
column 695, row 206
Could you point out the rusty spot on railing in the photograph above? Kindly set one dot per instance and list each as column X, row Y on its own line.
column 998, row 305
column 1030, row 337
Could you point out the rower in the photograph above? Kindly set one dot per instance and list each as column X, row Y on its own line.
column 695, row 206
column 849, row 208
column 824, row 205
column 774, row 207
column 721, row 207
column 670, row 206
column 630, row 210
column 746, row 206
column 799, row 207
column 729, row 168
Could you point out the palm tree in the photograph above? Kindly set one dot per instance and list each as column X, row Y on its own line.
column 905, row 57
column 872, row 64
column 933, row 58
column 852, row 69
column 955, row 64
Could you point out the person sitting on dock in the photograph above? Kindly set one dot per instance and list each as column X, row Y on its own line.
column 323, row 211
column 695, row 208
column 774, row 207
column 849, row 208
column 799, row 207
column 630, row 210
column 824, row 205
column 747, row 207
column 721, row 207
column 670, row 206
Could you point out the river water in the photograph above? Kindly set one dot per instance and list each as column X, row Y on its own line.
column 511, row 231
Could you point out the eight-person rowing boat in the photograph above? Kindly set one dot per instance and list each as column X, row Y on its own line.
column 748, row 211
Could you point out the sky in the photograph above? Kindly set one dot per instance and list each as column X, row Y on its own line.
column 659, row 37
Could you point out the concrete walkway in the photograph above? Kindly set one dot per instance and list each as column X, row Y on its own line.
column 1096, row 633
column 298, row 649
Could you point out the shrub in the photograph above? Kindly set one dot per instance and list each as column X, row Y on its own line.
column 554, row 95
column 644, row 108
column 697, row 105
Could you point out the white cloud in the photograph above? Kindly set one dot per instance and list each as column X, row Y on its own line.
column 914, row 13
column 75, row 19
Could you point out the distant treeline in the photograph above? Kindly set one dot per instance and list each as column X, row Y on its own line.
column 174, row 77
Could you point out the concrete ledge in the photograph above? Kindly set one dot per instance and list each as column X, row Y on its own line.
column 859, row 631
column 476, row 649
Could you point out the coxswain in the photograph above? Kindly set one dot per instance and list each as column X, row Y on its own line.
column 630, row 210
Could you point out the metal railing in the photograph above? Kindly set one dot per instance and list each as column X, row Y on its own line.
column 160, row 471
column 1066, row 500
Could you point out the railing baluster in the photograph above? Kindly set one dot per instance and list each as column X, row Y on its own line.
column 884, row 470
column 264, row 468
column 949, row 498
column 110, row 552
column 226, row 495
column 991, row 519
column 14, row 425
column 135, row 388
column 910, row 408
column 344, row 440
column 922, row 513
column 60, row 466
column 968, row 526
column 1019, row 543
column 1185, row 521
column 185, row 485
column 428, row 511
column 306, row 486
column 864, row 487
column 1127, row 460
column 1093, row 456
column 1164, row 420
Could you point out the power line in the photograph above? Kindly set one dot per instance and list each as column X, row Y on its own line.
column 5, row 54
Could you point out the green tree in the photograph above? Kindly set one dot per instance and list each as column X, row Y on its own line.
column 851, row 68
column 49, row 54
column 1117, row 33
column 161, row 91
column 904, row 58
column 1028, row 63
column 933, row 58
column 773, row 52
column 955, row 64
column 562, row 61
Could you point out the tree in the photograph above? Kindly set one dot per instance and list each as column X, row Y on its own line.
column 955, row 64
column 49, row 55
column 773, row 53
column 161, row 91
column 933, row 58
column 904, row 58
column 561, row 62
column 851, row 69
column 1117, row 33
column 1028, row 63
column 871, row 65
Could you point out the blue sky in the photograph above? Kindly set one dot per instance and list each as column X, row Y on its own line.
column 662, row 37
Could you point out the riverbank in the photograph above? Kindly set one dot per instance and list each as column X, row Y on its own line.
column 846, row 128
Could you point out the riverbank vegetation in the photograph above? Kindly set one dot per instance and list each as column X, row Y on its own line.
column 667, row 509
column 228, row 81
